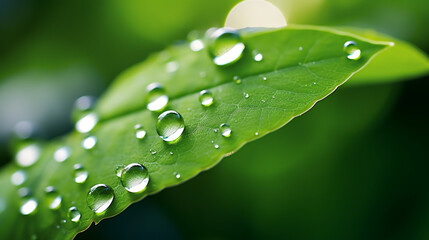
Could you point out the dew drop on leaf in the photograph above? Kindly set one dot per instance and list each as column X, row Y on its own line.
column 177, row 175
column 140, row 133
column 237, row 80
column 216, row 146
column 206, row 98
column 257, row 56
column 74, row 214
column 86, row 123
column 352, row 51
column 62, row 154
column 84, row 103
column 226, row 46
column 24, row 129
column 89, row 142
column 246, row 95
column 172, row 67
column 225, row 130
column 156, row 98
column 18, row 177
column 53, row 198
column 170, row 126
column 28, row 155
column 196, row 45
column 29, row 206
column 24, row 192
column 100, row 197
column 80, row 174
column 134, row 178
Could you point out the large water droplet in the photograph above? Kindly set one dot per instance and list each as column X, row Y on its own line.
column 62, row 154
column 170, row 126
column 353, row 53
column 134, row 177
column 225, row 130
column 196, row 45
column 225, row 47
column 86, row 123
column 74, row 214
column 100, row 197
column 18, row 177
column 53, row 198
column 80, row 174
column 28, row 155
column 89, row 142
column 206, row 98
column 28, row 207
column 140, row 133
column 156, row 98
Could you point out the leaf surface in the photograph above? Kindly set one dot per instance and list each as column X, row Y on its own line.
column 300, row 66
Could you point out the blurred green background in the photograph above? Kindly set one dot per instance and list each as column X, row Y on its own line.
column 354, row 167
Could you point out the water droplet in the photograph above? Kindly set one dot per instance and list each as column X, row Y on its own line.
column 263, row 101
column 225, row 47
column 215, row 130
column 62, row 154
column 196, row 45
column 28, row 155
column 264, row 78
column 216, row 146
column 153, row 152
column 225, row 130
column 80, row 174
column 140, row 133
column 24, row 192
column 134, row 178
column 206, row 98
column 84, row 103
column 100, row 197
column 74, row 214
column 18, row 177
column 170, row 126
column 28, row 207
column 177, row 175
column 89, row 142
column 172, row 67
column 237, row 80
column 53, row 198
column 171, row 153
column 300, row 48
column 256, row 133
column 353, row 53
column 24, row 129
column 86, row 123
column 118, row 171
column 156, row 98
column 246, row 95
column 257, row 56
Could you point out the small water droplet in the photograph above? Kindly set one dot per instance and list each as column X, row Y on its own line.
column 18, row 177
column 263, row 101
column 206, row 98
column 171, row 153
column 89, row 142
column 300, row 48
column 225, row 47
column 140, row 133
column 24, row 129
column 177, row 175
column 170, row 126
column 53, row 198
column 264, row 78
column 24, row 192
column 80, row 174
column 172, row 67
column 215, row 130
column 134, row 178
column 62, row 154
column 216, row 146
column 237, row 80
column 100, row 197
column 153, row 152
column 74, row 214
column 28, row 207
column 84, row 103
column 86, row 123
column 196, row 45
column 58, row 226
column 156, row 98
column 353, row 53
column 246, row 95
column 256, row 133
column 28, row 155
column 225, row 130
column 257, row 56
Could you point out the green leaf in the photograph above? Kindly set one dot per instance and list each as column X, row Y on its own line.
column 400, row 62
column 302, row 65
